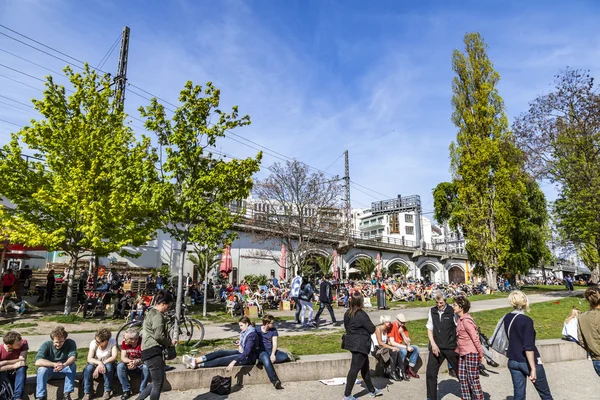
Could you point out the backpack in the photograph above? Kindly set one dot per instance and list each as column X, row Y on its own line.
column 220, row 385
column 500, row 338
column 6, row 390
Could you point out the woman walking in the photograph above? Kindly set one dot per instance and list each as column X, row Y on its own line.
column 155, row 338
column 305, row 299
column 357, row 340
column 469, row 350
column 523, row 356
column 588, row 331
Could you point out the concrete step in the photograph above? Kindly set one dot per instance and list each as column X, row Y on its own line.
column 307, row 368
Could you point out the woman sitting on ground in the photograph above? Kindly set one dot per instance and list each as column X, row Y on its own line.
column 384, row 352
column 244, row 355
column 268, row 353
column 569, row 331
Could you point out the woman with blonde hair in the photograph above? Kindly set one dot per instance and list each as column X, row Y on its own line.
column 588, row 330
column 387, row 354
column 524, row 360
column 570, row 326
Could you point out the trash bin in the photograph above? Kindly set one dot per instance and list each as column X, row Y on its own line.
column 381, row 300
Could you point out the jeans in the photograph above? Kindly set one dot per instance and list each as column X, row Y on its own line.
column 321, row 307
column 360, row 362
column 156, row 366
column 412, row 360
column 44, row 374
column 160, row 286
column 220, row 358
column 88, row 378
column 265, row 359
column 433, row 367
column 596, row 365
column 519, row 372
column 17, row 376
column 306, row 305
column 123, row 375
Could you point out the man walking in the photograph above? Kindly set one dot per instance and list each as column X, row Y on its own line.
column 326, row 298
column 295, row 293
column 441, row 330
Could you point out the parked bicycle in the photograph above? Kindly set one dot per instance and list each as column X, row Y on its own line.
column 190, row 329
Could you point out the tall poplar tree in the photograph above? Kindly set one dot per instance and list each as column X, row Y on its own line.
column 484, row 161
column 196, row 189
column 89, row 189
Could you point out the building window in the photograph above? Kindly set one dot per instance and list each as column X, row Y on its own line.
column 410, row 230
column 394, row 224
column 409, row 218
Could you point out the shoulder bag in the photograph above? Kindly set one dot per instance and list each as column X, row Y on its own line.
column 500, row 338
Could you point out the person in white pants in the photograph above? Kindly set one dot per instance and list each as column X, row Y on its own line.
column 305, row 299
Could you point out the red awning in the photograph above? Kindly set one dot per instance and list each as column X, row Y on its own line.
column 21, row 256
column 20, row 247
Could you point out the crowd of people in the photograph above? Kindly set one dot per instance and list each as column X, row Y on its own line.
column 455, row 338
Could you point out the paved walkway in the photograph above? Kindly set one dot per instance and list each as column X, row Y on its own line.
column 223, row 331
column 498, row 386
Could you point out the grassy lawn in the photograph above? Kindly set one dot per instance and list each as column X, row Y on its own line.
column 431, row 303
column 548, row 288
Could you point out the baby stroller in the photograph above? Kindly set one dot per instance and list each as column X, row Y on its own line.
column 93, row 303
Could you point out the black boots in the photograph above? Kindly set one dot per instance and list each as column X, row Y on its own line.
column 400, row 372
column 482, row 371
column 394, row 375
column 277, row 384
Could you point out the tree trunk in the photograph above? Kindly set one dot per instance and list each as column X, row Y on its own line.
column 180, row 288
column 2, row 258
column 70, row 284
column 596, row 274
column 205, row 284
column 491, row 277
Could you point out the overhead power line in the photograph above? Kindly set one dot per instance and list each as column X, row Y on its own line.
column 32, row 62
column 109, row 52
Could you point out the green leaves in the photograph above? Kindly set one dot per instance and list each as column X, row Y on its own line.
column 90, row 189
column 489, row 182
column 367, row 266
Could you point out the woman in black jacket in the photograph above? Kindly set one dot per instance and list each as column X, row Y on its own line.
column 357, row 340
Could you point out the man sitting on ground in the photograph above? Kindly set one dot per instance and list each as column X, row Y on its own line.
column 56, row 360
column 13, row 361
column 131, row 362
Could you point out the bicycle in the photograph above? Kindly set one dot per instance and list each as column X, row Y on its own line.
column 189, row 329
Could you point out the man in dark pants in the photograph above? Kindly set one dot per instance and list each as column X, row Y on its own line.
column 326, row 298
column 294, row 293
column 441, row 329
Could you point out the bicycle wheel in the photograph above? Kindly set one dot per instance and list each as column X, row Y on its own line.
column 121, row 333
column 198, row 332
column 186, row 331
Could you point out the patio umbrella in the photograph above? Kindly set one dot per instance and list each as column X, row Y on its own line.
column 335, row 270
column 282, row 262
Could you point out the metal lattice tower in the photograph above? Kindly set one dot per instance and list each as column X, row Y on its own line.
column 121, row 78
column 348, row 205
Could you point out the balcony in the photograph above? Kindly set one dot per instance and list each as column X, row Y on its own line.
column 372, row 224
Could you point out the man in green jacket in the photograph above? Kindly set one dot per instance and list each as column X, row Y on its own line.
column 588, row 330
column 56, row 360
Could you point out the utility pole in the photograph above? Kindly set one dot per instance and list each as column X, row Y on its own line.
column 348, row 205
column 121, row 78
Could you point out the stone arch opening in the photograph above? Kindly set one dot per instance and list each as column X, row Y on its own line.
column 428, row 272
column 398, row 266
column 456, row 274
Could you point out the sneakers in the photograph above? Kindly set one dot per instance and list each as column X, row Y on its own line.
column 188, row 361
column 376, row 393
column 106, row 395
column 349, row 398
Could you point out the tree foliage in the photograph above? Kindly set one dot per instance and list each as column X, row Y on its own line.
column 303, row 210
column 89, row 188
column 324, row 263
column 200, row 257
column 485, row 164
column 367, row 266
column 560, row 136
column 195, row 189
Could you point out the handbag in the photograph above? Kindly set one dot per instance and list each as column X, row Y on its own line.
column 343, row 341
column 500, row 338
column 220, row 385
column 169, row 353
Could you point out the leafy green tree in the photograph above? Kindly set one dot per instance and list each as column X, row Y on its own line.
column 90, row 188
column 560, row 136
column 367, row 266
column 484, row 160
column 195, row 189
column 201, row 257
column 399, row 268
column 324, row 264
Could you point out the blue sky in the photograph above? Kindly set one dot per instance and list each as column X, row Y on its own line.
column 316, row 77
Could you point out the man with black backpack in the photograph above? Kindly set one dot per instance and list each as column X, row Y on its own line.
column 13, row 366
